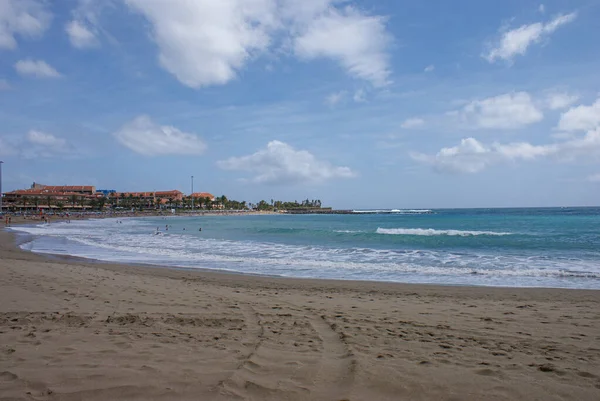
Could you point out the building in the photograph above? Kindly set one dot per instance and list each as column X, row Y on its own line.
column 203, row 195
column 146, row 199
column 50, row 197
column 78, row 189
column 170, row 195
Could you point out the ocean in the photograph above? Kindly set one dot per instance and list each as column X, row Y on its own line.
column 545, row 247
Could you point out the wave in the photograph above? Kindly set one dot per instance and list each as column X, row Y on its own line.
column 394, row 211
column 431, row 232
column 134, row 242
column 318, row 262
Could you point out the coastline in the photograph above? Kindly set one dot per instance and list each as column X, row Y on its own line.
column 104, row 330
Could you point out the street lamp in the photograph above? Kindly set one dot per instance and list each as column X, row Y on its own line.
column 192, row 194
column 1, row 162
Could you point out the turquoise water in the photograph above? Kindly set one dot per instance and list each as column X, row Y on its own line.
column 495, row 247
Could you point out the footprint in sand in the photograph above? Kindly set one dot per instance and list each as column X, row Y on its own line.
column 8, row 376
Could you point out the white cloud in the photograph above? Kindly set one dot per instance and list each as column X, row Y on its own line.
column 507, row 111
column 36, row 68
column 43, row 139
column 84, row 27
column 542, row 8
column 412, row 123
column 35, row 144
column 516, row 41
column 4, row 85
column 581, row 118
column 359, row 96
column 472, row 156
column 429, row 68
column 594, row 178
column 41, row 144
column 280, row 163
column 26, row 18
column 357, row 41
column 556, row 101
column 80, row 35
column 334, row 98
column 145, row 137
column 205, row 42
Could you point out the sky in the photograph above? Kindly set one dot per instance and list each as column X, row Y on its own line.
column 361, row 104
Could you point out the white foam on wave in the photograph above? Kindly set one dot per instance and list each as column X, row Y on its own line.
column 310, row 261
column 431, row 231
column 105, row 240
column 394, row 211
column 411, row 211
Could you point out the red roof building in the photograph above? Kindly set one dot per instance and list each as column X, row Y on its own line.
column 197, row 195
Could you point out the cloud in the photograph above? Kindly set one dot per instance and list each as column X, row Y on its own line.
column 84, row 27
column 26, row 18
column 412, row 123
column 429, row 68
column 205, row 42
column 4, row 85
column 41, row 144
column 472, row 156
column 36, row 68
column 35, row 144
column 581, row 118
column 357, row 41
column 516, row 41
column 280, row 163
column 507, row 111
column 80, row 35
column 556, row 101
column 359, row 96
column 145, row 137
column 334, row 98
column 43, row 139
column 593, row 178
column 542, row 8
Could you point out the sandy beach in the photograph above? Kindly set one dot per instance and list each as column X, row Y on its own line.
column 76, row 330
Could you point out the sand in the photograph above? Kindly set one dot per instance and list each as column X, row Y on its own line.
column 76, row 330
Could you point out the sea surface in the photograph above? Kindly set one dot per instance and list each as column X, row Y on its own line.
column 549, row 247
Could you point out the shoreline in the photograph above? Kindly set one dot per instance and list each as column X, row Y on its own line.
column 202, row 272
column 84, row 259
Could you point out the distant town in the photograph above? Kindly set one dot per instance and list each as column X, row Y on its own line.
column 53, row 198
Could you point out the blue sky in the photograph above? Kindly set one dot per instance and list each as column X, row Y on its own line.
column 357, row 103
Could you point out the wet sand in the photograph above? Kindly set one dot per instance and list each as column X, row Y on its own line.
column 77, row 330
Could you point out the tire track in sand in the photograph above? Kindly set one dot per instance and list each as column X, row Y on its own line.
column 337, row 366
column 232, row 387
